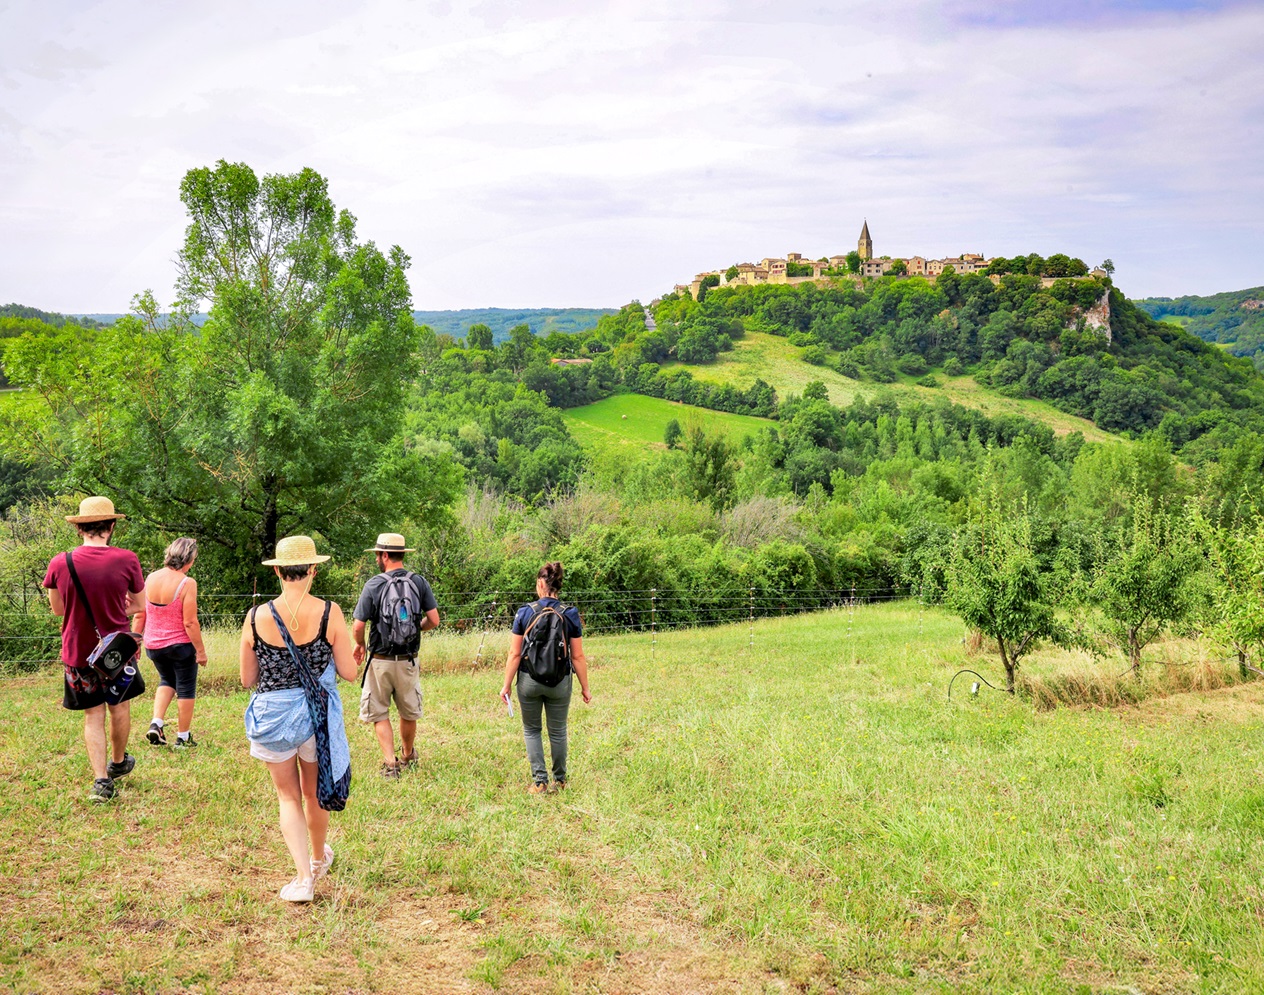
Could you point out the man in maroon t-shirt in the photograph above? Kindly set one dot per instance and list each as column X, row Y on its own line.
column 114, row 585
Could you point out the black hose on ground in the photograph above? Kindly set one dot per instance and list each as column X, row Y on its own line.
column 979, row 676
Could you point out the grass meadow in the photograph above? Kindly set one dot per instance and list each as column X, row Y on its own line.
column 809, row 815
column 777, row 362
column 635, row 421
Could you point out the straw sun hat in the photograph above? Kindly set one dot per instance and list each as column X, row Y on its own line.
column 295, row 551
column 95, row 509
column 390, row 542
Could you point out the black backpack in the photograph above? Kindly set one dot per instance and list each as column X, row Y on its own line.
column 546, row 652
column 398, row 620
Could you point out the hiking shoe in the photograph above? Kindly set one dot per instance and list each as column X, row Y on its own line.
column 299, row 891
column 102, row 790
column 156, row 735
column 123, row 767
column 538, row 788
column 321, row 867
column 409, row 761
column 559, row 786
column 188, row 743
column 391, row 770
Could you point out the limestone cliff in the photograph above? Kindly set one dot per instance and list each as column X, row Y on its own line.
column 1098, row 316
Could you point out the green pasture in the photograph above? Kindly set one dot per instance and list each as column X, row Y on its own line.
column 810, row 814
column 639, row 421
column 759, row 355
column 774, row 360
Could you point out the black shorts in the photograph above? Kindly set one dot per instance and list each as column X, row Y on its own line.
column 83, row 688
column 177, row 668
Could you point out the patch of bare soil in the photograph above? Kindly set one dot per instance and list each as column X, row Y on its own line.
column 417, row 946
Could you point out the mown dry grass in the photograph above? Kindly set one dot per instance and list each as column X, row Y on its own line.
column 812, row 816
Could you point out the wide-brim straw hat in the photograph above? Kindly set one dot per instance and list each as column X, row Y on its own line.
column 390, row 542
column 295, row 551
column 95, row 509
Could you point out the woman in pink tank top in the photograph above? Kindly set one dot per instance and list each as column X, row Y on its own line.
column 173, row 640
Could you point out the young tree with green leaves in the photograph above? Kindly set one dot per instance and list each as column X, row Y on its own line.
column 1143, row 579
column 281, row 414
column 672, row 433
column 1234, row 609
column 997, row 585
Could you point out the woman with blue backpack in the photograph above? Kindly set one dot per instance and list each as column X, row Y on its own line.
column 546, row 647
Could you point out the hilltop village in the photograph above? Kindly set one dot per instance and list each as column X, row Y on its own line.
column 796, row 269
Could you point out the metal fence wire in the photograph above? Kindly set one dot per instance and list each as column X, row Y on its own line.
column 30, row 636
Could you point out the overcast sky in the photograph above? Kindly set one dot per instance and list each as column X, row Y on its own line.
column 542, row 153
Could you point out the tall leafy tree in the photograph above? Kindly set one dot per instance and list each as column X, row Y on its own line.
column 709, row 467
column 281, row 414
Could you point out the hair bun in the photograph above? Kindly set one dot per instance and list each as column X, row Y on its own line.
column 551, row 574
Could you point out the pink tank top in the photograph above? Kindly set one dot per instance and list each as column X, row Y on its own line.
column 164, row 624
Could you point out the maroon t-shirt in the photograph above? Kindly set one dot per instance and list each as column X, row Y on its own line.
column 107, row 575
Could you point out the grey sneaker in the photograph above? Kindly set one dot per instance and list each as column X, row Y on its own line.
column 122, row 768
column 102, row 790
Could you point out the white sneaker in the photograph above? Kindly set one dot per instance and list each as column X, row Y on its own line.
column 299, row 891
column 321, row 867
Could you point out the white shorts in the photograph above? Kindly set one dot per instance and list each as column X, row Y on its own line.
column 306, row 752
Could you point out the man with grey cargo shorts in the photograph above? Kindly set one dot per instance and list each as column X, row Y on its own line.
column 392, row 671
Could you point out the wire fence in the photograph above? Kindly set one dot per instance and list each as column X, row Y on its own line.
column 30, row 636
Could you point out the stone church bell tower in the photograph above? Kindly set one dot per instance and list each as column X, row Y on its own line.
column 865, row 245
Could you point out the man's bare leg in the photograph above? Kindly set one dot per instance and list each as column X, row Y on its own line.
column 120, row 729
column 386, row 740
column 94, row 738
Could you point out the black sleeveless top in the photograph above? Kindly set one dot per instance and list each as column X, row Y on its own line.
column 277, row 669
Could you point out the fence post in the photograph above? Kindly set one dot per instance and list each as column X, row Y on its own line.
column 653, row 623
column 851, row 619
column 752, row 617
column 487, row 624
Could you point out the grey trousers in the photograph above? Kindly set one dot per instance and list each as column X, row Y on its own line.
column 556, row 702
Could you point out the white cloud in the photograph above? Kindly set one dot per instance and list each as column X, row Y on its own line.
column 567, row 153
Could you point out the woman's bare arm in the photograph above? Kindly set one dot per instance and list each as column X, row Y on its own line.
column 191, row 624
column 340, row 640
column 580, row 664
column 512, row 662
column 249, row 662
